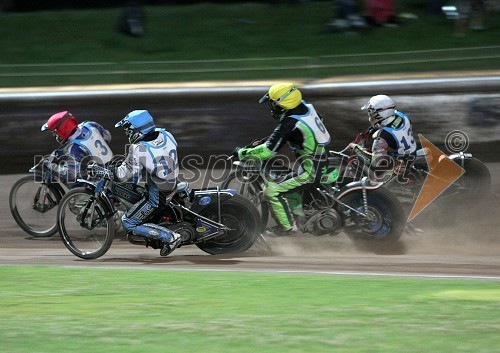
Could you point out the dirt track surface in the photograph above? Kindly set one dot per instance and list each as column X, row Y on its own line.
column 464, row 243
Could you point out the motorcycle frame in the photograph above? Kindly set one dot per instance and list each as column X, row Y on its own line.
column 47, row 178
column 364, row 185
column 99, row 188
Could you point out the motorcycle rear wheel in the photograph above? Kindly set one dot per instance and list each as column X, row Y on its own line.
column 85, row 242
column 34, row 206
column 242, row 217
column 249, row 189
column 386, row 218
column 476, row 181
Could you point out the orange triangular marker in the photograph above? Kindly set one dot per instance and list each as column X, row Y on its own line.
column 442, row 173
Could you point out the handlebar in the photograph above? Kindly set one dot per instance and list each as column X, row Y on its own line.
column 95, row 170
column 360, row 140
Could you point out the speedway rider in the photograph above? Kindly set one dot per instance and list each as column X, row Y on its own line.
column 302, row 127
column 155, row 150
column 392, row 132
column 77, row 142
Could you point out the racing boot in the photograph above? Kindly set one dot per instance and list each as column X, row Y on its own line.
column 168, row 247
column 278, row 231
column 171, row 240
column 410, row 228
column 117, row 219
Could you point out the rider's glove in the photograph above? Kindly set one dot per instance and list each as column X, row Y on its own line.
column 353, row 146
column 95, row 170
column 235, row 154
column 362, row 153
column 47, row 165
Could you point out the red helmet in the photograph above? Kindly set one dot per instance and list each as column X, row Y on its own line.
column 63, row 124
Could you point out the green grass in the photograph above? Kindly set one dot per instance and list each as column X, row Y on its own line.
column 232, row 41
column 46, row 309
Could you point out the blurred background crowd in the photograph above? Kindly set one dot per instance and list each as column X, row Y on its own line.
column 356, row 14
column 58, row 42
column 347, row 14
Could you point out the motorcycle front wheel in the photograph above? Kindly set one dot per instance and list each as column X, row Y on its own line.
column 383, row 222
column 34, row 206
column 243, row 220
column 85, row 226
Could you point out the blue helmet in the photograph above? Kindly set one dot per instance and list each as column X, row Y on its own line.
column 137, row 124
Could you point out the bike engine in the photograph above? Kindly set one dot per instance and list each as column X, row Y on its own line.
column 185, row 230
column 323, row 221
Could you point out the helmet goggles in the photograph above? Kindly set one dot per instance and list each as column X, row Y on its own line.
column 379, row 108
column 136, row 125
column 282, row 97
column 274, row 102
column 128, row 129
column 61, row 125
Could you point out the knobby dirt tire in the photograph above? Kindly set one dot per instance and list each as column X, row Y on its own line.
column 476, row 179
column 26, row 224
column 84, row 243
column 242, row 217
column 388, row 213
column 250, row 190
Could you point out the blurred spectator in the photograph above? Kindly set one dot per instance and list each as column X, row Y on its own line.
column 477, row 15
column 348, row 16
column 131, row 21
column 434, row 7
column 470, row 13
column 381, row 13
column 6, row 5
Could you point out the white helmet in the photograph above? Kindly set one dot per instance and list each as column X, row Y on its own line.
column 380, row 109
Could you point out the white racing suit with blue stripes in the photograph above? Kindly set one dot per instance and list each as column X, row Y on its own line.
column 159, row 159
column 89, row 140
column 395, row 139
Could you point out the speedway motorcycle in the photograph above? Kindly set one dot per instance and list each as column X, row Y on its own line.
column 34, row 198
column 217, row 221
column 365, row 211
column 407, row 175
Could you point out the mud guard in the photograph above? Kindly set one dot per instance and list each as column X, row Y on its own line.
column 460, row 158
column 364, row 183
column 204, row 198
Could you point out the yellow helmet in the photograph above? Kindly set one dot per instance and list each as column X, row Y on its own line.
column 284, row 94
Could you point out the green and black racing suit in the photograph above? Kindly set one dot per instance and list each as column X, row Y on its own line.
column 303, row 129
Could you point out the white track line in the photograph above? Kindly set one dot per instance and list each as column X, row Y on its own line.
column 278, row 272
